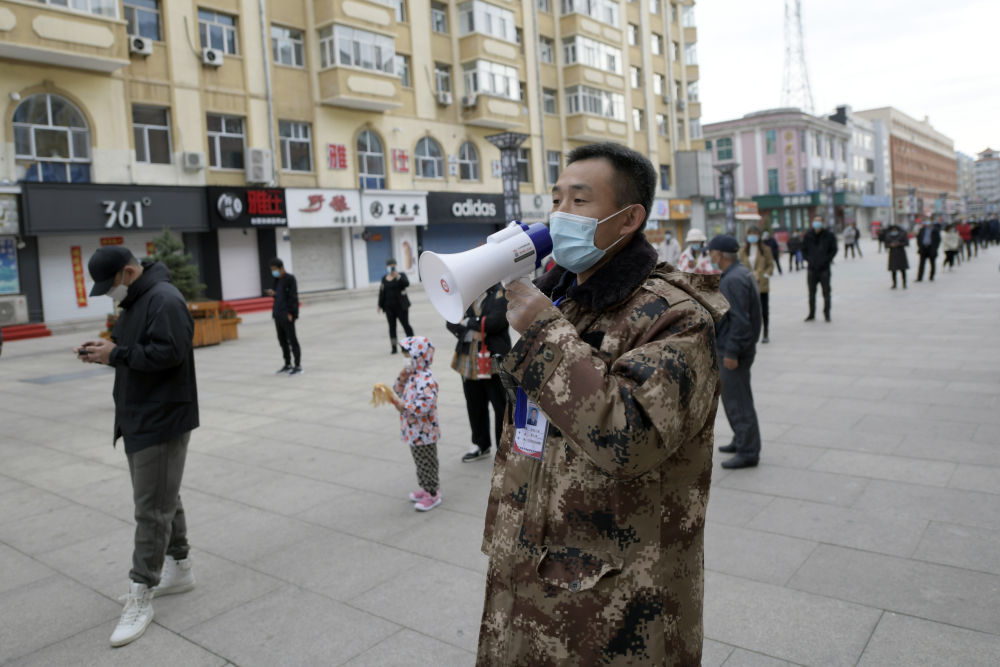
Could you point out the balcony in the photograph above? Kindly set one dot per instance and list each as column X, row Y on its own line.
column 494, row 112
column 359, row 89
column 694, row 109
column 581, row 24
column 690, row 35
column 588, row 76
column 581, row 127
column 475, row 46
column 361, row 13
column 691, row 72
column 43, row 35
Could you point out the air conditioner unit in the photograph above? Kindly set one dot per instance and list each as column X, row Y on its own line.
column 666, row 98
column 13, row 310
column 469, row 100
column 211, row 57
column 444, row 98
column 258, row 165
column 681, row 105
column 193, row 161
column 141, row 45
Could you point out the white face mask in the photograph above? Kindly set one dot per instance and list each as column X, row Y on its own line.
column 118, row 293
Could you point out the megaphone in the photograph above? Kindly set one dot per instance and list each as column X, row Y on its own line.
column 454, row 281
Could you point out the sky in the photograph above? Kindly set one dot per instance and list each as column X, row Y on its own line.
column 934, row 58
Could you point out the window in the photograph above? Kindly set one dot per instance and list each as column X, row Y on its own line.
column 400, row 6
column 805, row 179
column 673, row 12
column 694, row 125
column 829, row 147
column 217, row 31
column 225, row 141
column 690, row 54
column 688, row 16
column 633, row 34
column 772, row 181
column 553, row 164
column 429, row 159
column 151, row 127
column 403, row 70
column 771, row 140
column 661, row 124
column 351, row 47
column 524, row 165
column 442, row 78
column 143, row 18
column 654, row 6
column 708, row 144
column 591, row 53
column 635, row 75
column 483, row 76
column 487, row 19
column 656, row 44
column 545, row 6
column 546, row 50
column 99, row 7
column 287, row 46
column 637, row 119
column 52, row 135
column 803, row 138
column 468, row 162
column 843, row 151
column 371, row 161
column 296, row 145
column 680, row 130
column 675, row 50
column 549, row 103
column 439, row 17
column 587, row 100
column 724, row 149
column 664, row 176
column 602, row 10
column 692, row 91
column 819, row 144
column 657, row 84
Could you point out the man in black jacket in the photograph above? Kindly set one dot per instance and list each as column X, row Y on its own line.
column 819, row 247
column 736, row 337
column 285, row 311
column 928, row 241
column 156, row 408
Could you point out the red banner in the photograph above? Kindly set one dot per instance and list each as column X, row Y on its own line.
column 112, row 240
column 81, row 287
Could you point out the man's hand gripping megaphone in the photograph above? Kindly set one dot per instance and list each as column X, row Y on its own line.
column 524, row 303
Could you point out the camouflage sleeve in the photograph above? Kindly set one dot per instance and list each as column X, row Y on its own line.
column 629, row 414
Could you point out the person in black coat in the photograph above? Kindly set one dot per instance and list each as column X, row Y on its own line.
column 928, row 239
column 156, row 408
column 285, row 311
column 772, row 243
column 488, row 314
column 896, row 240
column 819, row 247
column 392, row 300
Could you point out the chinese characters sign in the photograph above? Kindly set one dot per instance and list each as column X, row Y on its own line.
column 309, row 207
column 81, row 288
column 336, row 156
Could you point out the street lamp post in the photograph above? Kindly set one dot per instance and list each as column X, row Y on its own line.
column 728, row 195
column 508, row 143
column 830, row 186
column 912, row 206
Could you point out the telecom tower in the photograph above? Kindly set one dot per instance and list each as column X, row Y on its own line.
column 796, row 92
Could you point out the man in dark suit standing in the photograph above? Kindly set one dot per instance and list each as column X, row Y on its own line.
column 928, row 241
column 819, row 247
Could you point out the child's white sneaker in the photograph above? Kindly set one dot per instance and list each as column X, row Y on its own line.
column 428, row 502
column 418, row 495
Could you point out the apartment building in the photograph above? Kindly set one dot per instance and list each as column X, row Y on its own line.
column 987, row 179
column 965, row 167
column 333, row 134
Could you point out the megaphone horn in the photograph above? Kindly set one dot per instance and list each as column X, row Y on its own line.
column 453, row 282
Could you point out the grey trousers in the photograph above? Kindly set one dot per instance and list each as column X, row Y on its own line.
column 737, row 400
column 160, row 526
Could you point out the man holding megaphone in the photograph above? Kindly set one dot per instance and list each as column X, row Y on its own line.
column 596, row 515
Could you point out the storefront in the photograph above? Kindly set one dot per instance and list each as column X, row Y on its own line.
column 319, row 236
column 672, row 215
column 460, row 221
column 391, row 220
column 65, row 223
column 535, row 208
column 249, row 225
column 746, row 215
column 13, row 304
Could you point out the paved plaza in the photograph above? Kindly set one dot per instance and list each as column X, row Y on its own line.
column 869, row 535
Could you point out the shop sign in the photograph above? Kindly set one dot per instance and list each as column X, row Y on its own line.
column 445, row 207
column 112, row 240
column 247, row 207
column 9, row 281
column 661, row 209
column 336, row 156
column 400, row 160
column 8, row 215
column 68, row 208
column 680, row 209
column 323, row 208
column 388, row 208
column 535, row 208
column 796, row 200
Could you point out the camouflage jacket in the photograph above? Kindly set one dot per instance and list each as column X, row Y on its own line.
column 596, row 550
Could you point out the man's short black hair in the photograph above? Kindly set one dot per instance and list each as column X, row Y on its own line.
column 635, row 177
column 276, row 263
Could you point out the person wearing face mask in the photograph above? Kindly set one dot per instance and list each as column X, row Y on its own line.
column 819, row 247
column 393, row 301
column 695, row 259
column 156, row 408
column 928, row 238
column 285, row 311
column 756, row 256
column 595, row 522
column 772, row 243
column 669, row 250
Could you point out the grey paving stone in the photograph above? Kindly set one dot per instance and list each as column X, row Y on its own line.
column 961, row 546
column 714, row 654
column 904, row 640
column 887, row 425
column 977, row 478
column 804, row 484
column 291, row 626
column 987, row 433
column 58, row 528
column 733, row 507
column 445, row 536
column 407, row 648
column 936, row 592
column 787, row 624
column 8, row 484
column 754, row 555
column 880, row 466
column 248, row 533
column 853, row 440
column 788, row 455
column 743, row 658
column 17, row 570
column 941, row 449
column 100, row 563
column 972, row 508
column 28, row 501
column 373, row 516
column 889, row 534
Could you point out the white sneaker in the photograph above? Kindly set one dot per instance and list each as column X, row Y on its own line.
column 136, row 616
column 176, row 577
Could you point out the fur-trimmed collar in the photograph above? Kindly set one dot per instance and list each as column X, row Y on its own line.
column 611, row 284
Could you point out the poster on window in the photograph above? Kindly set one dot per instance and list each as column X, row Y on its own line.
column 9, row 283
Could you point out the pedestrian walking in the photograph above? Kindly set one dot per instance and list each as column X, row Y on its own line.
column 156, row 408
column 851, row 238
column 928, row 241
column 819, row 247
column 756, row 256
column 951, row 244
column 772, row 243
column 695, row 259
column 483, row 330
column 394, row 302
column 794, row 251
column 964, row 230
column 896, row 239
column 669, row 250
column 285, row 311
column 736, row 337
column 595, row 523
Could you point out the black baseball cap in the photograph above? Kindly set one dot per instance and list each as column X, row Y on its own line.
column 105, row 264
column 724, row 243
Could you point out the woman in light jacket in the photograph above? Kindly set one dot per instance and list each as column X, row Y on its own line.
column 756, row 256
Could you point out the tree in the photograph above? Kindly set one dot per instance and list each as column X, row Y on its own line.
column 169, row 250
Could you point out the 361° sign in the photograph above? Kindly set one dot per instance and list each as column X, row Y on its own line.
column 124, row 214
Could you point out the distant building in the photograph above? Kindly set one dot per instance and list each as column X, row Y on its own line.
column 987, row 175
column 965, row 170
column 868, row 172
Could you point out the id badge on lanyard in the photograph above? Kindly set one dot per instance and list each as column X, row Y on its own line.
column 530, row 427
